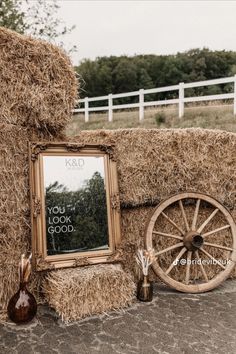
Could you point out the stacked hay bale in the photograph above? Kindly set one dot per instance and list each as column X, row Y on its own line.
column 80, row 292
column 155, row 164
column 38, row 91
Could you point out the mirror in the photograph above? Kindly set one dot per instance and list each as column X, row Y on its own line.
column 75, row 203
column 75, row 191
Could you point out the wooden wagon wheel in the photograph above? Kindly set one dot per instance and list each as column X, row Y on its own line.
column 192, row 242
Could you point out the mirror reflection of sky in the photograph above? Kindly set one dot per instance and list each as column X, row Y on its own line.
column 71, row 171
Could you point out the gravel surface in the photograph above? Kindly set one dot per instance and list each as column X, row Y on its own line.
column 171, row 323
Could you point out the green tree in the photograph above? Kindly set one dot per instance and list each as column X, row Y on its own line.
column 37, row 18
column 144, row 79
column 123, row 74
column 12, row 16
column 41, row 19
column 98, row 77
column 84, row 209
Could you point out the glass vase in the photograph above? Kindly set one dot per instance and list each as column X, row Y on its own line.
column 22, row 307
column 145, row 289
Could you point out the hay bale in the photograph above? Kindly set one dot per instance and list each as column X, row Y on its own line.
column 133, row 223
column 77, row 293
column 38, row 83
column 15, row 228
column 154, row 164
column 38, row 90
column 14, row 205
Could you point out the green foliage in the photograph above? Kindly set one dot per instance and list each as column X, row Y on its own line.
column 160, row 118
column 11, row 15
column 42, row 21
column 37, row 18
column 123, row 74
column 87, row 212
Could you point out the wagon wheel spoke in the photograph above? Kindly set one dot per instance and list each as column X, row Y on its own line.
column 201, row 266
column 189, row 258
column 216, row 230
column 211, row 257
column 189, row 238
column 218, row 246
column 167, row 235
column 184, row 215
column 180, row 244
column 207, row 221
column 194, row 223
column 173, row 223
column 175, row 262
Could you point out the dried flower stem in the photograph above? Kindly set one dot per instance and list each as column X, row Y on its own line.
column 25, row 268
column 144, row 259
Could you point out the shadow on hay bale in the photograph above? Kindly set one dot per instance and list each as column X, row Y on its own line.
column 38, row 91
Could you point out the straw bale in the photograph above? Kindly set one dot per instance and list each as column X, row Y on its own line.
column 152, row 165
column 15, row 236
column 80, row 292
column 156, row 163
column 38, row 83
column 38, row 91
column 14, row 205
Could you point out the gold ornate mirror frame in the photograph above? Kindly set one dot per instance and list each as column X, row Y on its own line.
column 39, row 152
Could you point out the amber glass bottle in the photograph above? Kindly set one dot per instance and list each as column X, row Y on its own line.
column 145, row 289
column 22, row 307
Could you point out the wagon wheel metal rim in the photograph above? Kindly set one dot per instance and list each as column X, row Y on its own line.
column 190, row 241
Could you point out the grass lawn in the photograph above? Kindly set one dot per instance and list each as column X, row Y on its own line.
column 208, row 116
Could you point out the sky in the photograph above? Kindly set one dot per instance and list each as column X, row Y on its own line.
column 71, row 171
column 110, row 27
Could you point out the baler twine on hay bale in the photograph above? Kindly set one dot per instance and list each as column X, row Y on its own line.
column 77, row 293
column 38, row 92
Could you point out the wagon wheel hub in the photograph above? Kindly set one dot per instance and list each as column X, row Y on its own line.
column 196, row 236
column 193, row 241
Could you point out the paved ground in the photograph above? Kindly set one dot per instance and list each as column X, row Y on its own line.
column 171, row 323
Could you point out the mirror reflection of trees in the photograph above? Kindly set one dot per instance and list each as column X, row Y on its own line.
column 76, row 221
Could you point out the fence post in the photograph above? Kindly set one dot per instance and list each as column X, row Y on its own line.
column 181, row 99
column 141, row 104
column 110, row 113
column 86, row 109
column 234, row 94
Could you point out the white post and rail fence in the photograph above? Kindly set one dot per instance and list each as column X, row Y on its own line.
column 141, row 104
